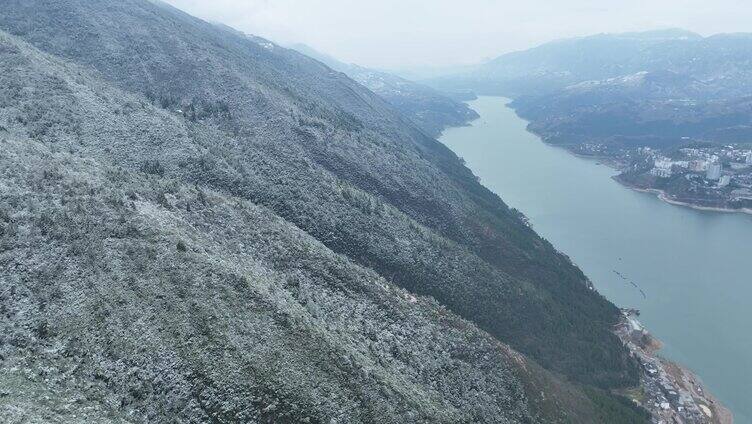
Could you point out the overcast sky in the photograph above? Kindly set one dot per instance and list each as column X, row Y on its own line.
column 402, row 34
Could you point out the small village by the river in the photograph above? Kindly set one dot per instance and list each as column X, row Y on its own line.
column 669, row 391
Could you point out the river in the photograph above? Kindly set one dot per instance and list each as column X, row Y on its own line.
column 694, row 267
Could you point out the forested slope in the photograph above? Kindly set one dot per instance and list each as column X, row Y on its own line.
column 431, row 110
column 162, row 155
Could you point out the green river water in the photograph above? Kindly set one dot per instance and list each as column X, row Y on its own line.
column 694, row 267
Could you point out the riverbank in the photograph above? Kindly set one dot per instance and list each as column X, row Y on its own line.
column 670, row 392
column 620, row 165
column 665, row 197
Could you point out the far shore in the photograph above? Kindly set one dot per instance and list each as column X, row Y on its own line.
column 660, row 194
column 615, row 165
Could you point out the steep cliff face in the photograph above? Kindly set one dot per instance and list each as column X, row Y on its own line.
column 247, row 232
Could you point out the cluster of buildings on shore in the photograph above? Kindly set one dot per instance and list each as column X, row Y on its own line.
column 716, row 165
column 668, row 392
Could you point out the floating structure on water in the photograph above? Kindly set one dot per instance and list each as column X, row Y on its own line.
column 631, row 282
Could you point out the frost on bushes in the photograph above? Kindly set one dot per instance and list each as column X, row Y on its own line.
column 444, row 235
column 306, row 207
column 144, row 324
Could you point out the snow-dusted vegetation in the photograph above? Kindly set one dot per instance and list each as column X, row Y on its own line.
column 196, row 227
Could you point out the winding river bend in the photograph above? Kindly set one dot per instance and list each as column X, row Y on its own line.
column 689, row 272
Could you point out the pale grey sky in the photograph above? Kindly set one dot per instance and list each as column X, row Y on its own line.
column 402, row 34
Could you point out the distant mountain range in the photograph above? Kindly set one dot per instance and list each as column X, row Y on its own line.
column 556, row 65
column 431, row 110
column 202, row 226
column 652, row 88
